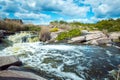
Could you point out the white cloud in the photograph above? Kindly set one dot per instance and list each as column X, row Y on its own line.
column 65, row 7
column 31, row 16
column 105, row 8
column 76, row 9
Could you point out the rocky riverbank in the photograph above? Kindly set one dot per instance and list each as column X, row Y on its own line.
column 10, row 69
column 86, row 37
column 89, row 37
column 57, row 61
column 4, row 33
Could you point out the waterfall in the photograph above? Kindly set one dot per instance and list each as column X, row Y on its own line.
column 23, row 37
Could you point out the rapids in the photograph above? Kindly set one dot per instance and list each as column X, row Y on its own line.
column 64, row 61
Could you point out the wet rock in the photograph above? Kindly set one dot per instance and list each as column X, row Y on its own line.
column 18, row 75
column 6, row 61
column 1, row 33
column 117, row 44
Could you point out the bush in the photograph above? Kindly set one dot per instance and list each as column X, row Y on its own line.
column 31, row 27
column 10, row 26
column 54, row 29
column 14, row 26
column 69, row 34
column 109, row 25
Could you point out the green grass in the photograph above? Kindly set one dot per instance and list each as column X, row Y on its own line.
column 69, row 34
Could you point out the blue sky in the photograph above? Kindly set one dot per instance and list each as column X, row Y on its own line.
column 44, row 11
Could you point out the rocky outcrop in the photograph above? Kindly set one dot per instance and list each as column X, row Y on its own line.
column 10, row 71
column 93, row 37
column 6, row 61
column 18, row 75
column 114, row 36
column 78, row 39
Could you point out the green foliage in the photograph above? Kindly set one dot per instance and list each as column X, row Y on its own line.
column 62, row 22
column 76, row 23
column 54, row 29
column 109, row 25
column 62, row 36
column 58, row 22
column 31, row 27
column 69, row 34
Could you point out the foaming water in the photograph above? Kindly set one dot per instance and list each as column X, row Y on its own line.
column 22, row 37
column 72, row 62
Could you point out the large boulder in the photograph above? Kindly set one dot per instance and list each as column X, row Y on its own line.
column 114, row 35
column 94, row 35
column 100, row 41
column 78, row 39
column 6, row 61
column 19, row 75
column 103, row 40
column 84, row 32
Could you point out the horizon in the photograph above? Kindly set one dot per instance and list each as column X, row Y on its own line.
column 42, row 12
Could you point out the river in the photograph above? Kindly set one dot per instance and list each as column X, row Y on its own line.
column 65, row 61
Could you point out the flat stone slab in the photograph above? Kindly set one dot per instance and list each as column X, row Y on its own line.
column 18, row 75
column 6, row 61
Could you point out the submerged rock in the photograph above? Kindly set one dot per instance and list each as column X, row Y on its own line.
column 6, row 61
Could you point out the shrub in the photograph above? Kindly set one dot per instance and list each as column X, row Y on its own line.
column 31, row 27
column 14, row 26
column 62, row 36
column 54, row 29
column 69, row 34
column 109, row 25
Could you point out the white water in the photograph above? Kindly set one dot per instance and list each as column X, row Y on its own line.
column 61, row 60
